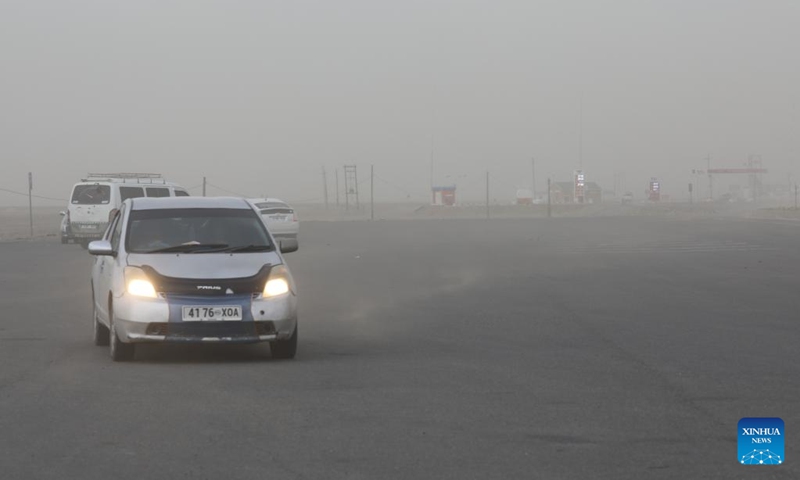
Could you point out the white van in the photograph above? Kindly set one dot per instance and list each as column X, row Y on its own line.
column 96, row 197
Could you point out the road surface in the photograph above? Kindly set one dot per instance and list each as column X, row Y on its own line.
column 618, row 348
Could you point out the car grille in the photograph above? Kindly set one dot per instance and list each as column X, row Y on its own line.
column 212, row 329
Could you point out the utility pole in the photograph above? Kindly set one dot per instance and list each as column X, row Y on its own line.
column 549, row 212
column 533, row 177
column 431, row 155
column 337, row 187
column 351, row 185
column 580, row 135
column 372, row 192
column 204, row 186
column 325, row 186
column 30, row 200
column 487, row 194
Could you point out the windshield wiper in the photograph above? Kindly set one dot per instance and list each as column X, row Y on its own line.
column 189, row 248
column 246, row 248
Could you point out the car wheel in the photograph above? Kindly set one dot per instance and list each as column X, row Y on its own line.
column 284, row 349
column 101, row 334
column 120, row 352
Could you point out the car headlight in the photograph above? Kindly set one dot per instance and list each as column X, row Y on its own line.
column 279, row 282
column 137, row 283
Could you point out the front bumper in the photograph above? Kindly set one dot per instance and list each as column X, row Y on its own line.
column 158, row 320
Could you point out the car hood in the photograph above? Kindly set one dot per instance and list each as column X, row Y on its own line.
column 205, row 265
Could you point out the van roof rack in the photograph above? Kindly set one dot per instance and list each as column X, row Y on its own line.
column 126, row 177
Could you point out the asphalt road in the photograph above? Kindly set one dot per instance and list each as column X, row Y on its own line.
column 550, row 348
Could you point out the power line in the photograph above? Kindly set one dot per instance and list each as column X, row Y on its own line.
column 34, row 196
column 310, row 200
column 387, row 182
column 503, row 181
column 225, row 190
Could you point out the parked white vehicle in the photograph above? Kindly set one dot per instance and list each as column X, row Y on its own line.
column 281, row 218
column 95, row 198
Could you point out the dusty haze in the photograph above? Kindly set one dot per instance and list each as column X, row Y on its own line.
column 258, row 96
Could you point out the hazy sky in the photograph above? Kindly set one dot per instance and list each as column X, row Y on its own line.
column 259, row 95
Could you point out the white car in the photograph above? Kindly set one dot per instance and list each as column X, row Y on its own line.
column 196, row 270
column 281, row 219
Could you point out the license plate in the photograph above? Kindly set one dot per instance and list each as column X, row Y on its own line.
column 281, row 218
column 211, row 314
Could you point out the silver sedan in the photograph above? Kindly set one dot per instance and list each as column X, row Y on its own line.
column 192, row 269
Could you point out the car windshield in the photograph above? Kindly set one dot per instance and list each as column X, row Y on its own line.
column 200, row 230
column 91, row 194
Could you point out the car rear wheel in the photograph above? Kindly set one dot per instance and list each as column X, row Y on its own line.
column 284, row 349
column 120, row 352
column 101, row 335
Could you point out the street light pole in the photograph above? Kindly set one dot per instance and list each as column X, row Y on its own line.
column 487, row 194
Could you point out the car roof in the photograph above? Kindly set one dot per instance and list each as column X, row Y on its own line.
column 145, row 203
column 127, row 184
column 265, row 200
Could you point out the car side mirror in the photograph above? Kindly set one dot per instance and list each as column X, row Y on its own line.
column 101, row 248
column 288, row 245
column 62, row 213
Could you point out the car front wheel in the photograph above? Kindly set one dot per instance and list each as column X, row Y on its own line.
column 101, row 335
column 120, row 352
column 285, row 349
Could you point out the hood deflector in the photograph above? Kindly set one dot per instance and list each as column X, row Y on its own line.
column 211, row 286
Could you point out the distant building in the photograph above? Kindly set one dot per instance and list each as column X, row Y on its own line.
column 444, row 195
column 524, row 197
column 564, row 192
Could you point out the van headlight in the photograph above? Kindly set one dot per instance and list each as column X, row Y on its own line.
column 137, row 283
column 279, row 282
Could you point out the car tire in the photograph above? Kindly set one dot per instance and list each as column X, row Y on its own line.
column 284, row 349
column 101, row 333
column 120, row 352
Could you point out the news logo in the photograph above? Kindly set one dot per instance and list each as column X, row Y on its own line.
column 761, row 441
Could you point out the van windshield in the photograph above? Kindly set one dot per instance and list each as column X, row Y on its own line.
column 91, row 194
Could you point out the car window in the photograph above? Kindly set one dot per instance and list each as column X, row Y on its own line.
column 130, row 192
column 277, row 210
column 157, row 192
column 89, row 194
column 181, row 193
column 267, row 205
column 115, row 236
column 150, row 230
column 110, row 226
